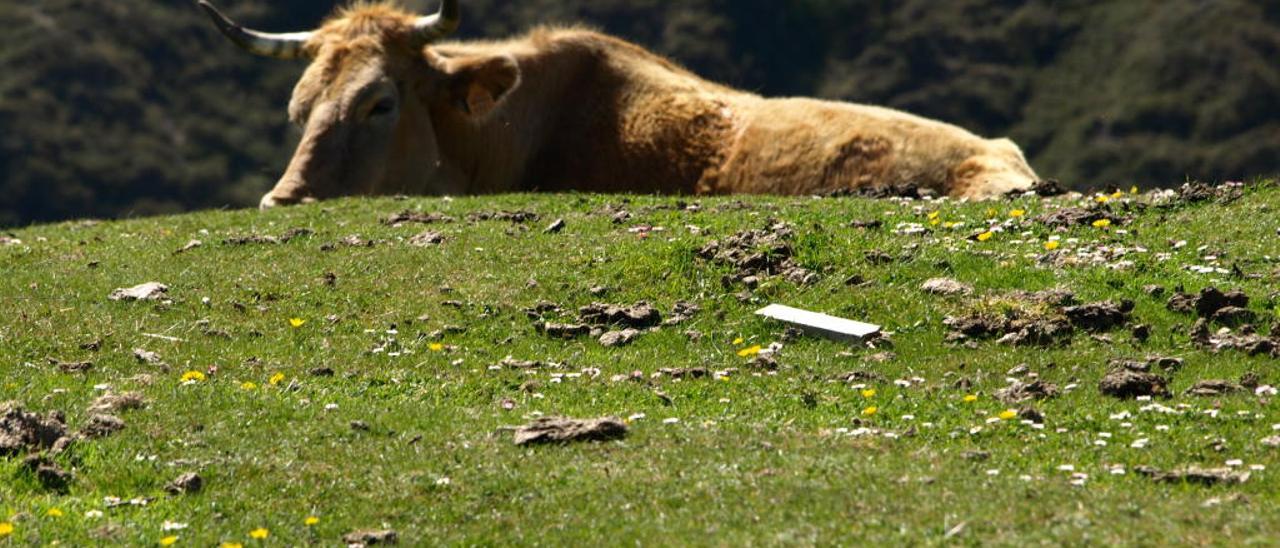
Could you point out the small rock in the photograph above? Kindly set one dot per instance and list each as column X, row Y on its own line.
column 946, row 286
column 187, row 483
column 151, row 291
column 562, row 430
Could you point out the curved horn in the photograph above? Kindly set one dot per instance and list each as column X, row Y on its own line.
column 280, row 46
column 443, row 23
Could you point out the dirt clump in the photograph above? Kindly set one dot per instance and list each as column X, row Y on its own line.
column 256, row 239
column 758, row 254
column 101, row 426
column 1214, row 387
column 517, row 217
column 512, row 363
column 1098, row 317
column 1208, row 302
column 23, row 432
column 1047, row 188
column 1195, row 192
column 48, row 473
column 1127, row 380
column 564, row 430
column 564, row 330
column 427, row 239
column 946, row 286
column 71, row 367
column 187, row 483
column 624, row 337
column 1194, row 474
column 555, row 227
column 406, row 217
column 1077, row 216
column 681, row 312
column 114, row 403
column 1234, row 316
column 370, row 538
column 686, row 372
column 1020, row 391
column 639, row 316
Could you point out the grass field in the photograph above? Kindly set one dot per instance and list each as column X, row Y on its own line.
column 411, row 432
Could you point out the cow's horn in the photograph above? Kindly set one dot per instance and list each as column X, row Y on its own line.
column 280, row 46
column 435, row 27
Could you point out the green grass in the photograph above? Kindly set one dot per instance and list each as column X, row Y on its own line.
column 754, row 460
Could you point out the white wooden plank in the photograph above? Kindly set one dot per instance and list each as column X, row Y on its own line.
column 840, row 329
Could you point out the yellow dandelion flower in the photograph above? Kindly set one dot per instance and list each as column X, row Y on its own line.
column 276, row 379
column 1102, row 199
column 934, row 215
column 311, row 520
column 1008, row 414
column 1119, row 194
column 231, row 545
column 970, row 398
column 1133, row 190
column 259, row 533
column 6, row 529
column 991, row 213
column 986, row 236
column 169, row 540
column 870, row 411
column 934, row 222
column 950, row 224
column 1102, row 223
column 246, row 385
column 297, row 322
column 54, row 513
column 739, row 340
column 750, row 351
column 1052, row 245
column 1018, row 213
column 869, row 393
column 193, row 376
column 435, row 347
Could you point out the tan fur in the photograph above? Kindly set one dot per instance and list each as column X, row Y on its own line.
column 572, row 109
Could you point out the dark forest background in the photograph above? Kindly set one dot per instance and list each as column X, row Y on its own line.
column 113, row 108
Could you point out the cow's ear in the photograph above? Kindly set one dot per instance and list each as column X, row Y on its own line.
column 478, row 85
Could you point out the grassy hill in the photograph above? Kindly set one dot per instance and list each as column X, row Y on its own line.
column 320, row 362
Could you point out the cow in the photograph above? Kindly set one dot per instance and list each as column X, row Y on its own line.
column 386, row 106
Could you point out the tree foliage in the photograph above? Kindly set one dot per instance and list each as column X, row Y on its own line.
column 135, row 107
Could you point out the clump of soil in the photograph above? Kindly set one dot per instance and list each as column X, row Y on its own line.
column 564, row 330
column 1045, row 189
column 1077, row 216
column 71, row 367
column 1128, row 380
column 369, row 538
column 1208, row 302
column 101, row 426
column 1214, row 387
column 114, row 403
column 48, row 473
column 1248, row 342
column 1045, row 318
column 1020, row 391
column 518, row 217
column 189, row 482
column 151, row 291
column 427, row 239
column 23, row 432
column 406, row 217
column 758, row 254
column 682, row 311
column 686, row 372
column 639, row 316
column 564, row 430
column 1195, row 192
column 619, row 338
column 270, row 240
column 946, row 286
column 1194, row 474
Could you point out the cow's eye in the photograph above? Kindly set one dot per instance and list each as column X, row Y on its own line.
column 383, row 107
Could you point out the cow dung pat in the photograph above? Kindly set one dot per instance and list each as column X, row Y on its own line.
column 189, row 482
column 368, row 538
column 151, row 291
column 1099, row 316
column 1126, row 382
column 563, row 430
column 945, row 286
column 639, row 315
column 1194, row 474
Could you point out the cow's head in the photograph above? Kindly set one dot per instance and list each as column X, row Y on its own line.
column 366, row 103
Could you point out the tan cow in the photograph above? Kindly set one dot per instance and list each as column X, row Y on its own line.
column 386, row 108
